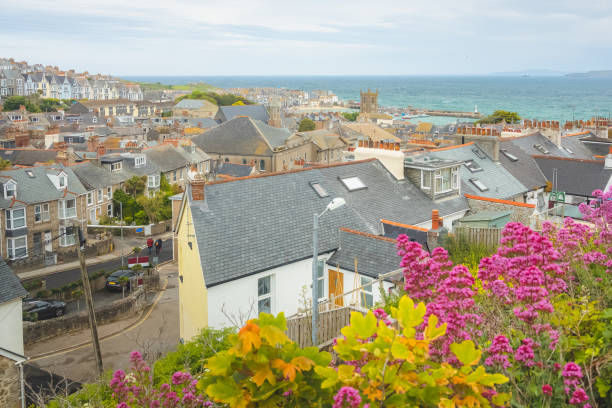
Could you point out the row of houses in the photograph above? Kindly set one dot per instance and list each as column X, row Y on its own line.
column 49, row 85
column 39, row 203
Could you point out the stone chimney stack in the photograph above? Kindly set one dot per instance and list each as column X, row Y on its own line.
column 197, row 188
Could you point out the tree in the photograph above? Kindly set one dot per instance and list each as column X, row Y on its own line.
column 151, row 205
column 136, row 185
column 350, row 116
column 500, row 115
column 5, row 164
column 14, row 102
column 306, row 125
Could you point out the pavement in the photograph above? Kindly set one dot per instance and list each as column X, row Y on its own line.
column 153, row 333
column 59, row 275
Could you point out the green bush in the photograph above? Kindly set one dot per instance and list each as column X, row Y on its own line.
column 34, row 284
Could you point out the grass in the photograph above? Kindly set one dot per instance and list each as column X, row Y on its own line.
column 196, row 86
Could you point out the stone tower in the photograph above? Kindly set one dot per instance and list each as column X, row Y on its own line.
column 274, row 110
column 369, row 102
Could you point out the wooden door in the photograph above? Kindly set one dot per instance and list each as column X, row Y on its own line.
column 336, row 286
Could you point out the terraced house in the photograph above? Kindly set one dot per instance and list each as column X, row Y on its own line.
column 37, row 206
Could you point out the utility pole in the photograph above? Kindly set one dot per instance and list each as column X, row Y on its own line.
column 89, row 301
column 122, row 257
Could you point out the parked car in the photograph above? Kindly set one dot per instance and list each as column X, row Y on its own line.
column 43, row 309
column 114, row 281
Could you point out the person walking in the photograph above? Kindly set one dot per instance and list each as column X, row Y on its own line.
column 150, row 245
column 158, row 246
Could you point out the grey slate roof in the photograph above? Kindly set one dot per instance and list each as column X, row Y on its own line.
column 234, row 170
column 40, row 189
column 393, row 231
column 255, row 224
column 258, row 112
column 597, row 145
column 576, row 177
column 501, row 183
column 242, row 136
column 192, row 104
column 576, row 148
column 28, row 157
column 525, row 169
column 11, row 287
column 95, row 176
column 527, row 144
column 166, row 157
column 375, row 256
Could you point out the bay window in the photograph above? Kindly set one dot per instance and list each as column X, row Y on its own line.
column 425, row 179
column 15, row 219
column 17, row 247
column 443, row 180
column 67, row 208
column 66, row 239
column 153, row 181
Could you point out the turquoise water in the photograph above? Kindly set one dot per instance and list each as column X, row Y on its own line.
column 552, row 98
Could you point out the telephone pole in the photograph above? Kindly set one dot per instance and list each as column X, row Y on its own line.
column 89, row 301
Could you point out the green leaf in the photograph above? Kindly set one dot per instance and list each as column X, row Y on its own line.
column 476, row 375
column 466, row 352
column 365, row 326
column 602, row 385
column 501, row 399
column 345, row 372
column 279, row 321
column 431, row 331
column 491, row 379
column 225, row 390
column 220, row 364
column 407, row 315
column 330, row 375
column 400, row 351
column 273, row 335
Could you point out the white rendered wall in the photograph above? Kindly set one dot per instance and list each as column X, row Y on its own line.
column 447, row 221
column 11, row 326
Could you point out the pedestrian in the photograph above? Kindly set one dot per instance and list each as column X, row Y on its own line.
column 150, row 245
column 158, row 246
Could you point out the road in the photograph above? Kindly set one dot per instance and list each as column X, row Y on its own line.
column 59, row 279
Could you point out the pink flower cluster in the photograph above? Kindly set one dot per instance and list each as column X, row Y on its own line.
column 348, row 395
column 572, row 375
column 525, row 352
column 446, row 290
column 382, row 315
column 499, row 351
column 137, row 389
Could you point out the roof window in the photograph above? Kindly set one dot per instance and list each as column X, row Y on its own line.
column 353, row 183
column 541, row 148
column 30, row 174
column 479, row 184
column 319, row 189
column 479, row 153
column 568, row 150
column 509, row 155
column 472, row 166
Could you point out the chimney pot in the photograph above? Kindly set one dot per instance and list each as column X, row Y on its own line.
column 197, row 189
column 435, row 220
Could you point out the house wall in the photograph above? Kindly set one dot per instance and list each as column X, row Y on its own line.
column 519, row 213
column 233, row 158
column 285, row 159
column 352, row 281
column 12, row 317
column 10, row 390
column 99, row 208
column 193, row 296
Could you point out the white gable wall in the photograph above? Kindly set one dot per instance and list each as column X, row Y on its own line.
column 11, row 316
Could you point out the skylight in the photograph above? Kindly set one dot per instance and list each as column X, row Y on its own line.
column 319, row 190
column 353, row 183
column 509, row 155
column 472, row 166
column 30, row 174
column 479, row 153
column 479, row 184
column 567, row 150
column 541, row 148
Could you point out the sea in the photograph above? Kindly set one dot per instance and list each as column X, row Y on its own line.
column 544, row 98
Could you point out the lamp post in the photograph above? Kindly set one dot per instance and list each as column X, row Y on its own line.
column 333, row 205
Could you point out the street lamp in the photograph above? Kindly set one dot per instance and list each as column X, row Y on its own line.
column 333, row 205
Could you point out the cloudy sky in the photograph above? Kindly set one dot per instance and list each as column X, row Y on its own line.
column 310, row 37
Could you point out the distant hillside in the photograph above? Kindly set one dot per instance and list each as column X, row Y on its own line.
column 592, row 74
column 156, row 86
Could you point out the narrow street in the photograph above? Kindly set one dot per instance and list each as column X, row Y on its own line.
column 155, row 333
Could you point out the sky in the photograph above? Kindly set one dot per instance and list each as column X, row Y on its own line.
column 312, row 37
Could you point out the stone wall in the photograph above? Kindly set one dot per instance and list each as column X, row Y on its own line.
column 10, row 390
column 46, row 329
column 520, row 213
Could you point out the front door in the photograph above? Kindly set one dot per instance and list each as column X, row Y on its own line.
column 336, row 286
column 48, row 242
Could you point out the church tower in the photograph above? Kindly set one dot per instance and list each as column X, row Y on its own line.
column 369, row 102
column 274, row 110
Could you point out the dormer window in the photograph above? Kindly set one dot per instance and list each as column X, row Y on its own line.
column 63, row 182
column 115, row 167
column 10, row 190
column 425, row 179
column 139, row 161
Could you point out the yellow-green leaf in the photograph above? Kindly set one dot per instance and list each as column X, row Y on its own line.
column 401, row 351
column 492, row 379
column 501, row 399
column 407, row 315
column 365, row 326
column 263, row 373
column 466, row 352
column 476, row 375
column 431, row 331
column 345, row 372
column 330, row 375
column 220, row 363
column 279, row 321
column 224, row 390
column 273, row 335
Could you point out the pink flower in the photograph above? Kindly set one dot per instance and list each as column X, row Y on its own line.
column 547, row 389
column 579, row 396
column 499, row 351
column 349, row 395
column 524, row 352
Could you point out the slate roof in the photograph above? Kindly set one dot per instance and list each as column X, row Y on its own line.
column 40, row 189
column 258, row 112
column 394, row 230
column 527, row 144
column 242, row 136
column 525, row 169
column 11, row 287
column 269, row 219
column 375, row 255
column 94, row 176
column 28, row 157
column 597, row 145
column 234, row 170
column 166, row 157
column 194, row 104
column 576, row 148
column 501, row 183
column 576, row 177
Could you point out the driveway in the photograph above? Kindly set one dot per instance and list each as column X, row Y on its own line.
column 155, row 334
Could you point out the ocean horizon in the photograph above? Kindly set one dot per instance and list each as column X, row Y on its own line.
column 534, row 97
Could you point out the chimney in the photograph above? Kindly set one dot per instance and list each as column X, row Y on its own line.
column 435, row 220
column 101, row 150
column 22, row 109
column 197, row 188
column 92, row 144
column 608, row 161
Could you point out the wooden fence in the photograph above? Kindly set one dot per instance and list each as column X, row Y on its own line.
column 488, row 237
column 330, row 323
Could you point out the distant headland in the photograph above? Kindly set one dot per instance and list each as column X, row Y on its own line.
column 592, row 74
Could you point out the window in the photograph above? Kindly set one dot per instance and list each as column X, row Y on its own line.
column 509, row 155
column 472, row 166
column 45, row 212
column 153, row 181
column 62, row 181
column 479, row 153
column 541, row 148
column 353, row 183
column 481, row 186
column 181, row 174
column 139, row 161
column 443, row 180
column 116, row 166
column 38, row 213
column 100, row 195
column 320, row 279
column 455, row 177
column 319, row 189
column 109, row 192
column 90, row 198
column 17, row 247
column 67, row 208
column 366, row 297
column 244, row 161
column 262, row 165
column 66, row 239
column 109, row 210
column 15, row 219
column 174, row 175
column 264, row 295
column 92, row 215
column 10, row 189
column 425, row 179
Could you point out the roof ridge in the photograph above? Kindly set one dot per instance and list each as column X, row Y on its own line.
column 368, row 235
column 261, row 133
column 497, row 200
column 539, row 156
column 279, row 173
column 398, row 224
column 452, row 147
column 577, row 134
